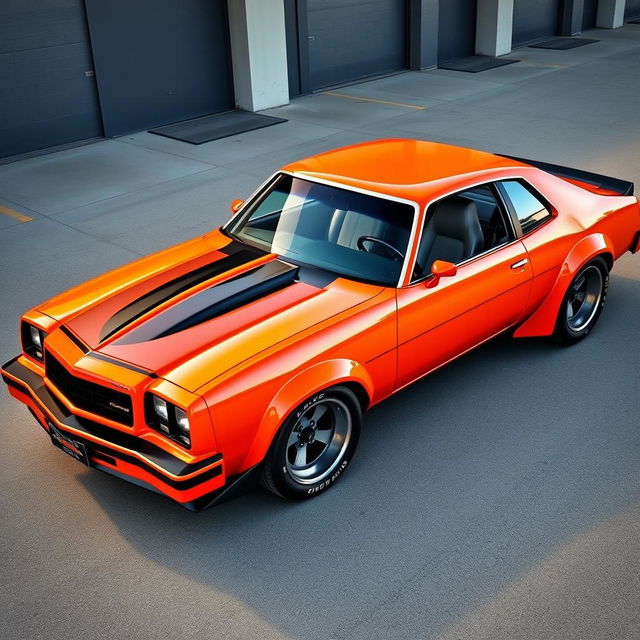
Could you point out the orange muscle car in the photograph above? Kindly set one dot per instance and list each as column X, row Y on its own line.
column 255, row 349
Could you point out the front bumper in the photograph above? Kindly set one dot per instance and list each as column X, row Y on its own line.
column 195, row 486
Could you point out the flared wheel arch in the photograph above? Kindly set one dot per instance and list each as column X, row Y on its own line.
column 542, row 322
column 305, row 384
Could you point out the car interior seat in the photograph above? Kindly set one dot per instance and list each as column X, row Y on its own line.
column 453, row 233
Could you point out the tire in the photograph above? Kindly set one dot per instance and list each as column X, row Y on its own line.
column 582, row 304
column 314, row 445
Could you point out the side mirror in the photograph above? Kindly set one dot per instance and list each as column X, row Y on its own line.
column 441, row 269
column 235, row 205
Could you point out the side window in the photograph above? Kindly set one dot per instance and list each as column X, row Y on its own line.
column 490, row 215
column 262, row 221
column 460, row 227
column 530, row 210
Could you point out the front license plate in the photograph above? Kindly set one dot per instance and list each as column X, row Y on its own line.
column 72, row 447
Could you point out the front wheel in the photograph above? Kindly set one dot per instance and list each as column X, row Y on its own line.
column 314, row 445
column 583, row 302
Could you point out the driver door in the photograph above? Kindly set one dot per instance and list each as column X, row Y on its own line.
column 487, row 295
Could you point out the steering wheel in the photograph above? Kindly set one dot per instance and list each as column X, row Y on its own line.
column 397, row 254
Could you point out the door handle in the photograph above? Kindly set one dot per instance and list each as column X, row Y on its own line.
column 520, row 263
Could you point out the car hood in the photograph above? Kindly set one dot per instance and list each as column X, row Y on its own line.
column 193, row 320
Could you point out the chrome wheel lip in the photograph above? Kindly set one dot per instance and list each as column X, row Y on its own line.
column 324, row 463
column 586, row 289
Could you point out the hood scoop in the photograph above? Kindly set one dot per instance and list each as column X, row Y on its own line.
column 215, row 301
column 168, row 290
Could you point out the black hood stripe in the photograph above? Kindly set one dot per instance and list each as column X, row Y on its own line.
column 101, row 356
column 215, row 301
column 237, row 255
column 121, row 363
column 74, row 338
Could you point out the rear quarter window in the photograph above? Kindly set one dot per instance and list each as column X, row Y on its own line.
column 529, row 208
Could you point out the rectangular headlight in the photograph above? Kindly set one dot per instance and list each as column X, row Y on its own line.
column 33, row 341
column 168, row 419
column 182, row 421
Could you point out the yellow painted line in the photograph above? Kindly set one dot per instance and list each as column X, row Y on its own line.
column 550, row 66
column 14, row 214
column 361, row 99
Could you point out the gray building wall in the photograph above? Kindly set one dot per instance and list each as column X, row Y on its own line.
column 47, row 88
column 162, row 61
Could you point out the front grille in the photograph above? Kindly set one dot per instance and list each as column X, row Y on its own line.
column 89, row 396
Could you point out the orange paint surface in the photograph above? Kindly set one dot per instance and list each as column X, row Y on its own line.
column 239, row 374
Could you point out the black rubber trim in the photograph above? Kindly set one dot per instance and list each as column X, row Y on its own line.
column 118, row 455
column 101, row 356
column 168, row 290
column 74, row 338
column 622, row 187
column 234, row 487
column 98, row 455
column 215, row 301
column 635, row 243
column 235, row 246
column 33, row 385
column 125, row 365
column 10, row 382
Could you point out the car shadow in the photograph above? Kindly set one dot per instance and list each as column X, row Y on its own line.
column 463, row 482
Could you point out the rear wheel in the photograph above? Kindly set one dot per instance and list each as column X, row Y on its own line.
column 314, row 445
column 583, row 302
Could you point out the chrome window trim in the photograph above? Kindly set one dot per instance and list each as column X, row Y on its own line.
column 460, row 190
column 344, row 187
column 250, row 200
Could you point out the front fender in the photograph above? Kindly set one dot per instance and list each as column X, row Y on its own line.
column 543, row 321
column 304, row 384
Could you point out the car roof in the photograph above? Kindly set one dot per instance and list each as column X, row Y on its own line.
column 411, row 169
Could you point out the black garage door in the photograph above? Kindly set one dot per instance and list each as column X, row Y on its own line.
column 456, row 29
column 355, row 39
column 589, row 14
column 159, row 61
column 535, row 19
column 47, row 88
column 632, row 9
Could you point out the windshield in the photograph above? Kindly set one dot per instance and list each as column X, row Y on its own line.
column 355, row 235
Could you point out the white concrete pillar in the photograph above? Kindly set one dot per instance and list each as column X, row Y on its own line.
column 259, row 53
column 494, row 27
column 610, row 14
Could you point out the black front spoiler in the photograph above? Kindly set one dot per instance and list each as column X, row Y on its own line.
column 30, row 384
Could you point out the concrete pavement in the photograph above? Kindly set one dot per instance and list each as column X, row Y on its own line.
column 498, row 498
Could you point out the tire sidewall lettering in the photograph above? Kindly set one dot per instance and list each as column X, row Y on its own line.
column 309, row 403
column 326, row 483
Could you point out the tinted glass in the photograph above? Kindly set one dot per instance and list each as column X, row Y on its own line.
column 530, row 211
column 352, row 234
column 490, row 215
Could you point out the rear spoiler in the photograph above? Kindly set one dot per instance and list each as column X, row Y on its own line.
column 614, row 185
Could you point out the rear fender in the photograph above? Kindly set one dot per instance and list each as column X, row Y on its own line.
column 303, row 385
column 543, row 321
